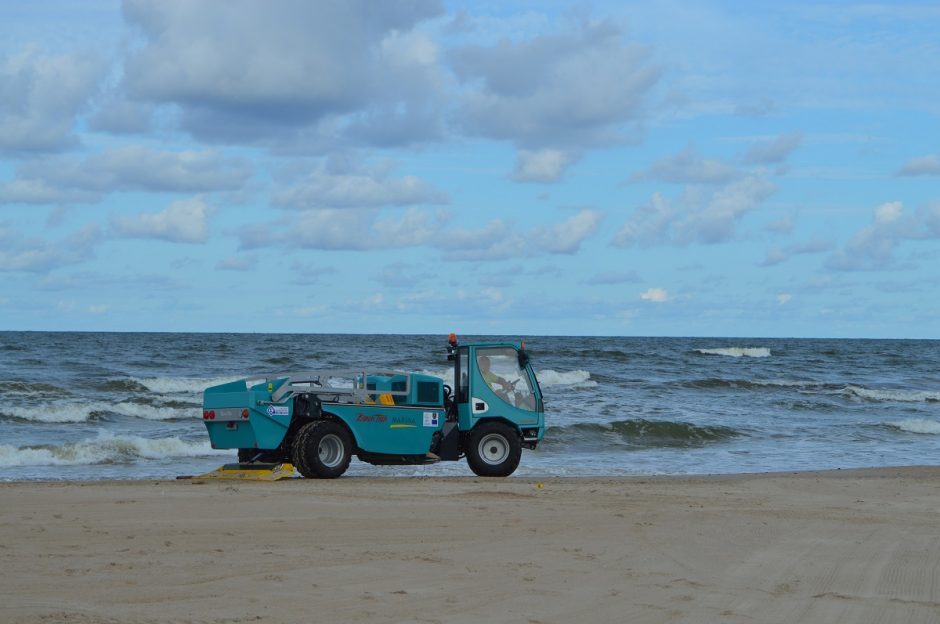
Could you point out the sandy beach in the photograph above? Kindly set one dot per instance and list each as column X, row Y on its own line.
column 841, row 546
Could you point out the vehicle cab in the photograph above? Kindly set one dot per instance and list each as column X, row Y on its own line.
column 495, row 382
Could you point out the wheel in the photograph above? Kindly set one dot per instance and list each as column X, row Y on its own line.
column 494, row 450
column 245, row 455
column 322, row 449
column 249, row 455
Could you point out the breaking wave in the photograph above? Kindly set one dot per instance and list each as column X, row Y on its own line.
column 638, row 433
column 754, row 352
column 121, row 385
column 105, row 449
column 849, row 390
column 916, row 425
column 179, row 385
column 30, row 388
column 883, row 394
column 574, row 379
column 85, row 412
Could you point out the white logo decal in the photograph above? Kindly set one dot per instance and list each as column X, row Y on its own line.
column 277, row 410
column 430, row 419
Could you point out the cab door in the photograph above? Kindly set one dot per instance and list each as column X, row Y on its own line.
column 492, row 384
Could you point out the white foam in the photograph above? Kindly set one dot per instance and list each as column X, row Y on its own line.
column 149, row 412
column 902, row 396
column 576, row 378
column 446, row 374
column 916, row 425
column 58, row 413
column 105, row 449
column 755, row 352
column 181, row 385
column 83, row 412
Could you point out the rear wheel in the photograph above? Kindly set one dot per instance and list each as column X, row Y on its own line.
column 322, row 449
column 245, row 455
column 494, row 450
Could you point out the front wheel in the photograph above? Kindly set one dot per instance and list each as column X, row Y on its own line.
column 322, row 449
column 493, row 450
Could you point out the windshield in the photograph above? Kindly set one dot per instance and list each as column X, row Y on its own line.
column 500, row 370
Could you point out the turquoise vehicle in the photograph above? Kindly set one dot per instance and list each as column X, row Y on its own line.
column 318, row 420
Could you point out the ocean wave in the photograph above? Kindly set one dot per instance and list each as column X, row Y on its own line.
column 30, row 388
column 885, row 394
column 89, row 411
column 179, row 385
column 574, row 379
column 106, row 449
column 446, row 374
column 754, row 352
column 58, row 413
column 608, row 354
column 718, row 382
column 916, row 425
column 123, row 384
column 638, row 433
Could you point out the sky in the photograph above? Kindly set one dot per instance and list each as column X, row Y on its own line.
column 523, row 168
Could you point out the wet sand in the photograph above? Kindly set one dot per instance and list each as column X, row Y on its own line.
column 840, row 546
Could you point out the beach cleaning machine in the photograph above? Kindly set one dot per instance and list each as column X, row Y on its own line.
column 315, row 422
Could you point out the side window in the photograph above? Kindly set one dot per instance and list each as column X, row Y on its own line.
column 463, row 386
column 499, row 368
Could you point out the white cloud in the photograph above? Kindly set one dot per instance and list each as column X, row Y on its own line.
column 783, row 225
column 127, row 168
column 759, row 108
column 40, row 96
column 773, row 151
column 361, row 229
column 872, row 248
column 568, row 91
column 544, row 165
column 339, row 184
column 777, row 255
column 699, row 215
column 921, row 165
column 498, row 241
column 656, row 295
column 687, row 167
column 566, row 237
column 183, row 221
column 18, row 253
column 121, row 116
column 888, row 212
column 614, row 277
column 784, row 298
column 26, row 191
column 237, row 263
column 375, row 228
column 243, row 71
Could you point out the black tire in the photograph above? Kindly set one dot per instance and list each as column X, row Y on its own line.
column 322, row 450
column 245, row 455
column 249, row 455
column 493, row 450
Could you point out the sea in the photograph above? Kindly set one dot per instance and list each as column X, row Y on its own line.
column 91, row 406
